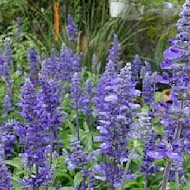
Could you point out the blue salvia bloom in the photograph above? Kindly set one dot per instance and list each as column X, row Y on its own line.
column 6, row 75
column 8, row 138
column 142, row 128
column 135, row 68
column 49, row 66
column 148, row 67
column 112, row 174
column 77, row 157
column 114, row 52
column 68, row 63
column 28, row 102
column 148, row 167
column 108, row 77
column 91, row 180
column 5, row 177
column 7, row 103
column 51, row 95
column 86, row 101
column 44, row 177
column 33, row 59
column 8, row 55
column 114, row 123
column 34, row 136
column 35, row 131
column 72, row 29
column 2, row 60
column 176, row 58
column 148, row 88
column 76, row 91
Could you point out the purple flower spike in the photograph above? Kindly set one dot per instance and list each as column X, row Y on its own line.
column 5, row 177
column 136, row 67
column 78, row 157
column 148, row 88
column 33, row 59
column 72, row 29
column 114, row 52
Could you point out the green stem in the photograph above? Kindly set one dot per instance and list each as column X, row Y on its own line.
column 168, row 166
column 146, row 182
column 51, row 151
column 77, row 124
column 90, row 127
column 126, row 169
column 176, row 180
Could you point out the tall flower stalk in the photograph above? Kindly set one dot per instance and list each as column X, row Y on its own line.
column 34, row 137
column 76, row 93
column 50, row 95
column 176, row 58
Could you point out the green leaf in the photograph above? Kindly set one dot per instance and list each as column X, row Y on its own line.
column 78, row 179
column 66, row 188
column 16, row 163
column 157, row 96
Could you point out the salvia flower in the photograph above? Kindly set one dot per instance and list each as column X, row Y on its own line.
column 86, row 101
column 112, row 174
column 34, row 135
column 114, row 52
column 176, row 58
column 76, row 91
column 7, row 104
column 136, row 67
column 71, row 29
column 33, row 59
column 68, row 63
column 148, row 88
column 8, row 55
column 142, row 128
column 2, row 60
column 77, row 157
column 148, row 167
column 114, row 123
column 50, row 95
column 8, row 138
column 49, row 66
column 43, row 177
column 5, row 177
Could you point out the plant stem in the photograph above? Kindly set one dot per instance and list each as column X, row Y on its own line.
column 166, row 176
column 168, row 166
column 126, row 169
column 90, row 127
column 51, row 147
column 37, row 172
column 77, row 124
column 145, row 182
column 176, row 180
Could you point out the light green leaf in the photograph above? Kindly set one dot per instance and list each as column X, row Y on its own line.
column 78, row 179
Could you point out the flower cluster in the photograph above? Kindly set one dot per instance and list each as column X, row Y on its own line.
column 62, row 67
column 33, row 59
column 114, row 99
column 34, row 135
column 5, row 177
column 72, row 29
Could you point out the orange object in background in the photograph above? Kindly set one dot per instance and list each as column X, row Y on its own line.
column 56, row 21
column 166, row 95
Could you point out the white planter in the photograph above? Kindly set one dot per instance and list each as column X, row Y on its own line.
column 118, row 9
column 121, row 8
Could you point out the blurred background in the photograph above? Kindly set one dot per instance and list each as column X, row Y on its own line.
column 143, row 27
